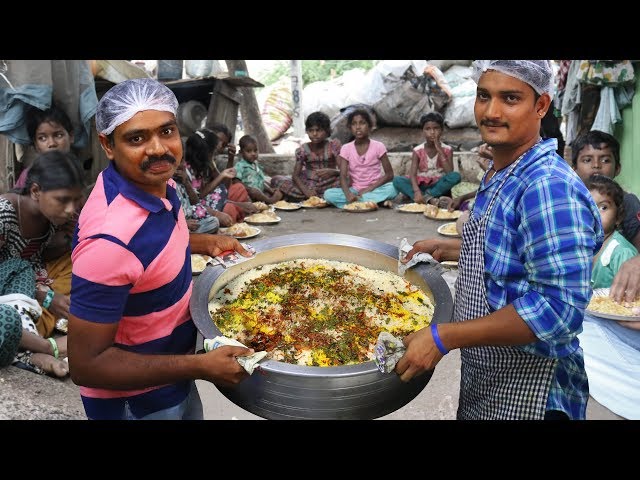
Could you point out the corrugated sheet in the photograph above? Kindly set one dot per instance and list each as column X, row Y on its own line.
column 628, row 133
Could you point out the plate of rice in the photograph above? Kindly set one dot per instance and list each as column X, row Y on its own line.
column 360, row 207
column 603, row 306
column 284, row 205
column 241, row 230
column 314, row 202
column 263, row 218
column 412, row 208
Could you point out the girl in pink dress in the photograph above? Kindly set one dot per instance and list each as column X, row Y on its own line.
column 366, row 174
column 431, row 173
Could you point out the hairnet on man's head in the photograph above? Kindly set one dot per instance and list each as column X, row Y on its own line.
column 126, row 99
column 537, row 73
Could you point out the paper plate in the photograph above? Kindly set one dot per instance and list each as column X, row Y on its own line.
column 448, row 230
column 306, row 204
column 269, row 222
column 320, row 205
column 403, row 208
column 604, row 293
column 360, row 210
column 199, row 263
column 255, row 231
column 449, row 215
column 289, row 207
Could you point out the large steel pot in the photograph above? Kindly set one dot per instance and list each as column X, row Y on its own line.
column 280, row 390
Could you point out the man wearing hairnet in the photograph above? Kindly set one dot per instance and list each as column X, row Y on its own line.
column 131, row 338
column 525, row 264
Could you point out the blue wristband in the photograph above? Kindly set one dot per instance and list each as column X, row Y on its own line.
column 46, row 303
column 436, row 338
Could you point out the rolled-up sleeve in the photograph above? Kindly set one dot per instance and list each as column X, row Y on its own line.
column 558, row 236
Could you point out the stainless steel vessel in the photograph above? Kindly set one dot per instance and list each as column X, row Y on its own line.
column 280, row 390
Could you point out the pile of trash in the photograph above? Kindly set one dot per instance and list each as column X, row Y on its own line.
column 396, row 93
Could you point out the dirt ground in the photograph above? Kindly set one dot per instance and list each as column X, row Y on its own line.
column 24, row 395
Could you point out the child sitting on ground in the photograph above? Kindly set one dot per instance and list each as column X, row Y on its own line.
column 431, row 174
column 251, row 175
column 615, row 249
column 366, row 174
column 316, row 167
column 189, row 201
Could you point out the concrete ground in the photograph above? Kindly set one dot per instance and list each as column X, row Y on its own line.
column 24, row 395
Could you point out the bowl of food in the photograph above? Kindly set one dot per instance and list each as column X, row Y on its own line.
column 281, row 389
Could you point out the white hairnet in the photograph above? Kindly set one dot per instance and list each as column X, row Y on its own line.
column 127, row 98
column 537, row 73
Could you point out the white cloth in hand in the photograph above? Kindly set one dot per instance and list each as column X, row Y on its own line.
column 248, row 362
column 405, row 247
column 388, row 351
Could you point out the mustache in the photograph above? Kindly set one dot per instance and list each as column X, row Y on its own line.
column 146, row 165
column 489, row 123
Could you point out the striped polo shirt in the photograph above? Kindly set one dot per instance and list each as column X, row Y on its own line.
column 132, row 266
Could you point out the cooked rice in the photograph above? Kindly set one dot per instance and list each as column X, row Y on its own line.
column 608, row 305
column 360, row 206
column 314, row 201
column 318, row 312
column 413, row 207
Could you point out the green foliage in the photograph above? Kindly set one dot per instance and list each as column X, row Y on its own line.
column 316, row 70
column 320, row 70
column 272, row 76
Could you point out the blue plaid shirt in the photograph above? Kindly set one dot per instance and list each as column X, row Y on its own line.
column 541, row 237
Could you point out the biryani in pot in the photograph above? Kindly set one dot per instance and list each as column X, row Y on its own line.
column 318, row 312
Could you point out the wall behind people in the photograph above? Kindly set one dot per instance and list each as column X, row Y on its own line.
column 628, row 134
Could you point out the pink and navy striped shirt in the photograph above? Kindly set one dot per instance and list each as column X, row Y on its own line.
column 132, row 266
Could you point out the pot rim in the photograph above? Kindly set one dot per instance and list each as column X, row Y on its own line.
column 202, row 286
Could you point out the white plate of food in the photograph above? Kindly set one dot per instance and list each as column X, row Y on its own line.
column 284, row 205
column 199, row 263
column 360, row 207
column 263, row 218
column 448, row 230
column 261, row 206
column 435, row 213
column 314, row 202
column 241, row 231
column 603, row 306
column 411, row 208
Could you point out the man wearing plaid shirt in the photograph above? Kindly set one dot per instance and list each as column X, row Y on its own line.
column 524, row 263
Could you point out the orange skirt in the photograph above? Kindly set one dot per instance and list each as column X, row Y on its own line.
column 237, row 193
